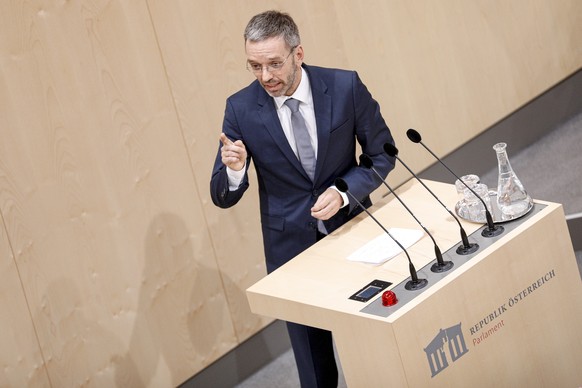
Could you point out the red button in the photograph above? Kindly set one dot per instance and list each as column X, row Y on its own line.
column 389, row 298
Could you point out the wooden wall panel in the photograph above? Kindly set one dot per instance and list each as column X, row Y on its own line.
column 453, row 68
column 100, row 201
column 21, row 362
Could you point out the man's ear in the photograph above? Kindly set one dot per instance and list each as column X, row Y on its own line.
column 299, row 54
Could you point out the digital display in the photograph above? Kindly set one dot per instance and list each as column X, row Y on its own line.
column 369, row 292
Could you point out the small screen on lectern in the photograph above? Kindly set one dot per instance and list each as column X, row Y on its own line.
column 371, row 289
column 369, row 292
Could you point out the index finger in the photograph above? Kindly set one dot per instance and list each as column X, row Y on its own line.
column 225, row 140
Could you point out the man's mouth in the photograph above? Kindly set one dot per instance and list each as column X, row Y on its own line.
column 272, row 86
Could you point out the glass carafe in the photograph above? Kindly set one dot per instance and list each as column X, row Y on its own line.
column 512, row 199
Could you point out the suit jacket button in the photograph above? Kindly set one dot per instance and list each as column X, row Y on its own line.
column 314, row 193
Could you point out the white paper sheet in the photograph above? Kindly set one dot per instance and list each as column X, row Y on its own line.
column 383, row 248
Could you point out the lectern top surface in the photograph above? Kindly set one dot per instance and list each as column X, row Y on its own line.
column 323, row 278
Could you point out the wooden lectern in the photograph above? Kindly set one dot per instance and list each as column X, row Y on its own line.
column 507, row 315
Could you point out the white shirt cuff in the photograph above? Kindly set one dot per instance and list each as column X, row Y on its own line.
column 344, row 196
column 234, row 178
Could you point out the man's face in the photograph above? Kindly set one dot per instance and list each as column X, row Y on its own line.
column 269, row 54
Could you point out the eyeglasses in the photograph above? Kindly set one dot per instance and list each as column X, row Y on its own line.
column 272, row 67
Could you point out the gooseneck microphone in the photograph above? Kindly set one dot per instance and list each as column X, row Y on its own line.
column 465, row 248
column 492, row 230
column 415, row 283
column 440, row 265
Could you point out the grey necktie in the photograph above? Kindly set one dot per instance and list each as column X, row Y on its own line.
column 305, row 150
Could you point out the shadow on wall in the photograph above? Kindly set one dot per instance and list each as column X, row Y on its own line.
column 77, row 347
column 182, row 317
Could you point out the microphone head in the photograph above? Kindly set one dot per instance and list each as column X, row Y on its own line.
column 390, row 149
column 366, row 161
column 341, row 185
column 414, row 136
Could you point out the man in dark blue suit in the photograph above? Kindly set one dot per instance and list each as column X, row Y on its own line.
column 298, row 206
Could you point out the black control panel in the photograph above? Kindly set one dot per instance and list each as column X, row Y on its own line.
column 370, row 290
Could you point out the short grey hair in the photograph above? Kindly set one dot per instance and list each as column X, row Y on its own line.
column 271, row 24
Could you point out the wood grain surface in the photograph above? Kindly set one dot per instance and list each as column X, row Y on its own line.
column 113, row 254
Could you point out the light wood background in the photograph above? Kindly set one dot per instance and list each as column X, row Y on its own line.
column 115, row 267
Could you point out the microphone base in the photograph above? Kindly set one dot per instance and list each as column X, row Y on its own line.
column 467, row 249
column 412, row 285
column 445, row 266
column 492, row 232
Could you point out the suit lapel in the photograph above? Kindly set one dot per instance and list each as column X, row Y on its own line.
column 322, row 107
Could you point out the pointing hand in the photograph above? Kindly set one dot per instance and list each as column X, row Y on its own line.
column 234, row 154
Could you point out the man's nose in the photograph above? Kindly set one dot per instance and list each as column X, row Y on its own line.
column 266, row 75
